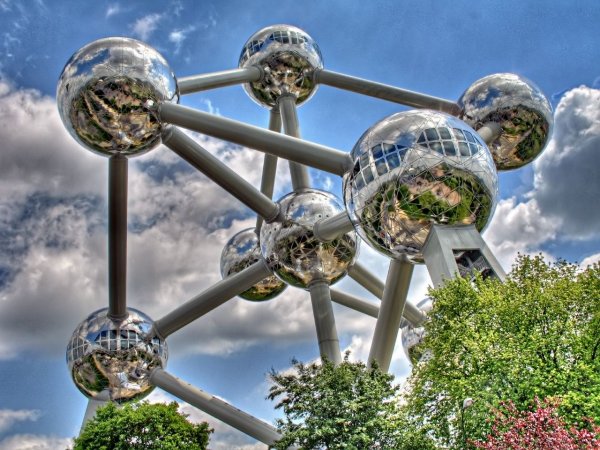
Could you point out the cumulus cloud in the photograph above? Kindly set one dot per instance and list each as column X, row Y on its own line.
column 35, row 442
column 590, row 260
column 145, row 26
column 8, row 417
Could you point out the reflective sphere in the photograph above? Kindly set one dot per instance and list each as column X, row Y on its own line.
column 291, row 249
column 414, row 169
column 242, row 251
column 112, row 360
column 519, row 107
column 413, row 336
column 288, row 56
column 108, row 95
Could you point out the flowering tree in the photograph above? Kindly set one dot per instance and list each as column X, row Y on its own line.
column 539, row 428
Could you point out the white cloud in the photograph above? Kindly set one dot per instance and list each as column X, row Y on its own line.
column 8, row 417
column 146, row 25
column 35, row 442
column 590, row 260
column 113, row 8
column 179, row 35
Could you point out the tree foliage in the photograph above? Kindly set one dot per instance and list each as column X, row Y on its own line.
column 539, row 428
column 349, row 406
column 535, row 335
column 142, row 426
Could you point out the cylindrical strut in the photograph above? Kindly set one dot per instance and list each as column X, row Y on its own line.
column 117, row 237
column 329, row 343
column 196, row 83
column 269, row 172
column 291, row 127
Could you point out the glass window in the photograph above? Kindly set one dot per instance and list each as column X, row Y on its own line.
column 388, row 148
column 436, row 146
column 359, row 183
column 464, row 149
column 356, row 169
column 377, row 152
column 449, row 148
column 422, row 138
column 402, row 151
column 368, row 174
column 381, row 166
column 474, row 149
column 458, row 134
column 393, row 160
column 432, row 134
column 444, row 133
column 469, row 136
column 364, row 160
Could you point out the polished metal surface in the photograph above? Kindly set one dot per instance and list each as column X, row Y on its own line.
column 412, row 336
column 519, row 107
column 287, row 56
column 291, row 249
column 414, row 169
column 242, row 251
column 108, row 93
column 112, row 359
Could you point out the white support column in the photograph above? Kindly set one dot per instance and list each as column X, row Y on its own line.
column 390, row 313
column 90, row 411
column 329, row 344
column 489, row 132
column 291, row 127
column 215, row 407
column 117, row 237
column 217, row 171
column 211, row 298
column 301, row 151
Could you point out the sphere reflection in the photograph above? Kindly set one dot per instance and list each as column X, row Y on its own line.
column 291, row 249
column 288, row 56
column 414, row 169
column 242, row 251
column 519, row 107
column 108, row 95
column 112, row 360
column 413, row 336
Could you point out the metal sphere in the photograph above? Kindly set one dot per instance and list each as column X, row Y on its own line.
column 242, row 251
column 412, row 336
column 288, row 57
column 519, row 107
column 291, row 249
column 414, row 169
column 108, row 94
column 112, row 360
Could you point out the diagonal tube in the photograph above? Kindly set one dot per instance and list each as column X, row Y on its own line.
column 301, row 151
column 214, row 169
column 269, row 173
column 489, row 132
column 329, row 344
column 291, row 127
column 390, row 313
column 196, row 83
column 211, row 298
column 215, row 407
column 327, row 230
column 384, row 91
column 117, row 237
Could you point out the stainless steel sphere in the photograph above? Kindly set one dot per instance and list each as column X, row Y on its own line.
column 414, row 169
column 241, row 251
column 413, row 336
column 291, row 249
column 112, row 360
column 519, row 107
column 108, row 95
column 288, row 57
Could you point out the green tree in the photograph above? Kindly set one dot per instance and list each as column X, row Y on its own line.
column 535, row 335
column 142, row 426
column 349, row 406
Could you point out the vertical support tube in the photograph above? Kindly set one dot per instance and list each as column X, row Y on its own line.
column 390, row 313
column 90, row 411
column 117, row 237
column 267, row 183
column 289, row 118
column 216, row 407
column 329, row 344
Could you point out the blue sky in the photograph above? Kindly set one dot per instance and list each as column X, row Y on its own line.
column 53, row 192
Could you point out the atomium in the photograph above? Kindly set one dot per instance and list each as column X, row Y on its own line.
column 108, row 93
column 288, row 57
column 412, row 172
column 519, row 107
column 414, row 169
column 111, row 359
column 239, row 253
column 291, row 249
